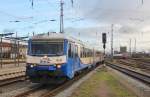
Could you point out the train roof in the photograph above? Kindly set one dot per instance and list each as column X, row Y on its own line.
column 51, row 36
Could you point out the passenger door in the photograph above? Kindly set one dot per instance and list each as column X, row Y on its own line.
column 76, row 57
column 71, row 61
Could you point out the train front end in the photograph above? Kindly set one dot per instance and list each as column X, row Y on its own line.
column 46, row 60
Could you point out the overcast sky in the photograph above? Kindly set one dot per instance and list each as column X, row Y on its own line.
column 86, row 20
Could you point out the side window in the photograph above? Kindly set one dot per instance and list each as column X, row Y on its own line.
column 81, row 52
column 72, row 50
column 90, row 53
column 76, row 50
column 86, row 52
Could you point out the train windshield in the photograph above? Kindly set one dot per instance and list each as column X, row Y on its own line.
column 47, row 48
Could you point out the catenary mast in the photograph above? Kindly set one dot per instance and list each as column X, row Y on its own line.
column 61, row 17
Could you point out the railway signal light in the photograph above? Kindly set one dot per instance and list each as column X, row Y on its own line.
column 104, row 38
column 104, row 46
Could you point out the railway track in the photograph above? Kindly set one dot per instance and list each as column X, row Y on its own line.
column 146, row 60
column 55, row 90
column 136, row 64
column 141, row 77
column 12, row 77
column 64, row 86
column 143, row 61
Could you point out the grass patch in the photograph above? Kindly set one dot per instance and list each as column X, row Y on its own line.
column 99, row 79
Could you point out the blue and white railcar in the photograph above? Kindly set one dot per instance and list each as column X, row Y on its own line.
column 52, row 57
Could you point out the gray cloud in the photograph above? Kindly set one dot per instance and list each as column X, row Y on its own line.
column 123, row 12
column 127, row 30
column 130, row 19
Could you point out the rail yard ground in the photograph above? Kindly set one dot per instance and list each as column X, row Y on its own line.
column 102, row 84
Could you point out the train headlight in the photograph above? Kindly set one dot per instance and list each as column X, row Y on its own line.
column 58, row 66
column 31, row 66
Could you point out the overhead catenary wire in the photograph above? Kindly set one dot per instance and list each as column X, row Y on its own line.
column 14, row 16
column 61, row 13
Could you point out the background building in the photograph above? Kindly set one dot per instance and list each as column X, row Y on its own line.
column 13, row 49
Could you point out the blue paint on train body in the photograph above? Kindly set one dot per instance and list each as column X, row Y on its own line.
column 73, row 64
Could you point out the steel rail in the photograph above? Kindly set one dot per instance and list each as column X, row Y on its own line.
column 142, row 61
column 12, row 80
column 142, row 77
column 12, row 77
column 134, row 63
column 30, row 91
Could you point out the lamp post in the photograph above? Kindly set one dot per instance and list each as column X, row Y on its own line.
column 1, row 45
column 112, row 49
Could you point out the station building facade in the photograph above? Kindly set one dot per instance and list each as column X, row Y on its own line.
column 11, row 49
